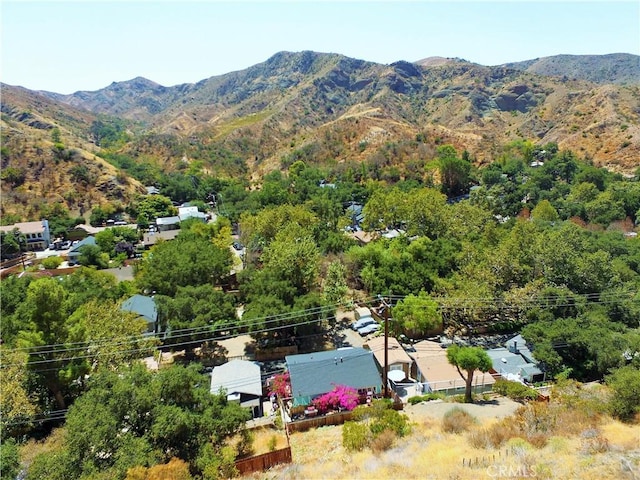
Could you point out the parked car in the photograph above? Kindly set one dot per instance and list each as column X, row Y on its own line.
column 373, row 327
column 238, row 246
column 363, row 322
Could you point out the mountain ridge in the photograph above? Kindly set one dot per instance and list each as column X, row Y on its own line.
column 332, row 108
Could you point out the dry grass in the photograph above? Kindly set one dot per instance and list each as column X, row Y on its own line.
column 267, row 439
column 590, row 450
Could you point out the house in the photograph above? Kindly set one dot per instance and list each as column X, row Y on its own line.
column 314, row 374
column 168, row 223
column 433, row 370
column 186, row 212
column 37, row 234
column 74, row 251
column 242, row 383
column 151, row 190
column 146, row 309
column 397, row 358
column 515, row 362
column 151, row 238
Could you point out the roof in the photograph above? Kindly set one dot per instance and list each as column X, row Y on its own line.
column 167, row 220
column 395, row 352
column 152, row 190
column 518, row 344
column 87, row 241
column 237, row 377
column 143, row 306
column 186, row 215
column 152, row 238
column 431, row 360
column 313, row 374
column 506, row 362
column 25, row 227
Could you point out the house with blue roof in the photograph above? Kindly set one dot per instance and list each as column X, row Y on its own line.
column 314, row 374
column 146, row 309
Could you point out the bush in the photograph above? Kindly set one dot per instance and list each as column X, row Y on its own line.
column 51, row 263
column 355, row 436
column 383, row 442
column 425, row 398
column 457, row 420
column 515, row 390
column 625, row 383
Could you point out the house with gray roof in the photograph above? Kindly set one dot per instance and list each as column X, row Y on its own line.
column 314, row 374
column 515, row 362
column 168, row 223
column 146, row 309
column 74, row 253
column 240, row 380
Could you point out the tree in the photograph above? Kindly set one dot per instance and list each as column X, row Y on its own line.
column 201, row 309
column 136, row 417
column 12, row 244
column 625, row 383
column 17, row 405
column 9, row 460
column 335, row 283
column 92, row 256
column 415, row 315
column 544, row 211
column 454, row 172
column 45, row 311
column 468, row 359
column 188, row 260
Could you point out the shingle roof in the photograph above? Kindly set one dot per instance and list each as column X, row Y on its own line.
column 316, row 373
column 237, row 376
column 24, row 227
column 143, row 306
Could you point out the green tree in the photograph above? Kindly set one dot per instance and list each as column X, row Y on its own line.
column 544, row 211
column 17, row 405
column 92, row 256
column 416, row 315
column 468, row 359
column 202, row 310
column 188, row 260
column 335, row 283
column 625, row 383
column 45, row 313
column 454, row 172
column 9, row 459
column 12, row 243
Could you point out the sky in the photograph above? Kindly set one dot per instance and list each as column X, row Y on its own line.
column 64, row 47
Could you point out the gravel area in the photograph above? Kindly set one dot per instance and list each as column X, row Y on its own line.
column 497, row 408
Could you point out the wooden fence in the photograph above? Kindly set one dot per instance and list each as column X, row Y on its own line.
column 337, row 418
column 262, row 462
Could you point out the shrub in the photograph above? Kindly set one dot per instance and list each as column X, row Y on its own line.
column 383, row 442
column 425, row 398
column 457, row 420
column 625, row 383
column 390, row 420
column 273, row 442
column 515, row 390
column 341, row 397
column 355, row 436
column 51, row 263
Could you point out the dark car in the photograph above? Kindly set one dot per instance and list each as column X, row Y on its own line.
column 238, row 246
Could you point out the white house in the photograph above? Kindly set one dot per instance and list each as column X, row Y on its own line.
column 240, row 380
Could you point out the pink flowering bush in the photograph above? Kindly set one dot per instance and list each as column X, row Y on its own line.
column 341, row 397
column 281, row 385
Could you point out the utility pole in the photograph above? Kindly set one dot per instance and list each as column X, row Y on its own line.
column 385, row 370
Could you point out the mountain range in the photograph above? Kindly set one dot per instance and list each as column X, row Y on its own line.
column 319, row 107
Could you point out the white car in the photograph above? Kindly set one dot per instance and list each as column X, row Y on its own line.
column 373, row 327
column 363, row 322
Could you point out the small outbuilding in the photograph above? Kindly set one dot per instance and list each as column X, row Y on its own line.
column 240, row 380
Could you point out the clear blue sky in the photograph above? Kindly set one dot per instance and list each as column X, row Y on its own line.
column 86, row 45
